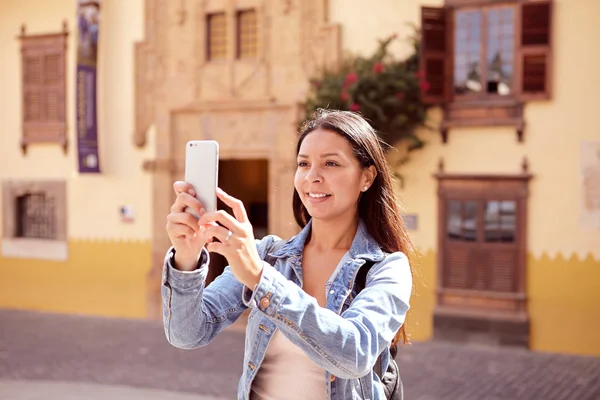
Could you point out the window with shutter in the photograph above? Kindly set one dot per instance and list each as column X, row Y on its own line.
column 232, row 35
column 44, row 88
column 247, row 36
column 482, row 241
column 483, row 59
column 216, row 33
column 480, row 244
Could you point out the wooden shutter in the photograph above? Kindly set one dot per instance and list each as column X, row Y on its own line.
column 44, row 89
column 32, row 89
column 247, row 34
column 54, row 88
column 493, row 268
column 479, row 267
column 534, row 54
column 456, row 266
column 216, row 35
column 503, row 269
column 435, row 57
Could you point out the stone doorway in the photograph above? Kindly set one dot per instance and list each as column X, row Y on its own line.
column 256, row 145
column 247, row 180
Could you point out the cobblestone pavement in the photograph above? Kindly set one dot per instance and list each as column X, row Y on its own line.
column 53, row 349
column 53, row 390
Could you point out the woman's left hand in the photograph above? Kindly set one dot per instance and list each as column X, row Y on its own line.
column 236, row 239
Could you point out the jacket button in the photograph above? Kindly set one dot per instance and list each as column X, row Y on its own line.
column 331, row 378
column 264, row 303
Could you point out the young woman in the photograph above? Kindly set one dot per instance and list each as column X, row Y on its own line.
column 309, row 335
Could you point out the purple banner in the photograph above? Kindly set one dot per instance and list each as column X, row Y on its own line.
column 88, row 18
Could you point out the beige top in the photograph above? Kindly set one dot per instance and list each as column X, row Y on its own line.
column 287, row 373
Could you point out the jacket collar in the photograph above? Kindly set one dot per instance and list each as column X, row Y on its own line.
column 363, row 246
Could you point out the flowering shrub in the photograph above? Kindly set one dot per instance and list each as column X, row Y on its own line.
column 387, row 92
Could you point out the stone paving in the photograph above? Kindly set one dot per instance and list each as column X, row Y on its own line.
column 52, row 354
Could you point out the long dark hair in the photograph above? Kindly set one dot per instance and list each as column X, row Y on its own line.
column 377, row 207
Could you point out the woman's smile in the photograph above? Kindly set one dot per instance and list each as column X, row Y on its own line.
column 318, row 197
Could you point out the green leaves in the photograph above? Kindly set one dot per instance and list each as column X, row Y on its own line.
column 384, row 90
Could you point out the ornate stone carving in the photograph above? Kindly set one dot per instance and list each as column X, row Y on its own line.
column 238, row 131
column 249, row 106
column 159, row 165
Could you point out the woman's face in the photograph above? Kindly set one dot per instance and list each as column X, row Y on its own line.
column 329, row 179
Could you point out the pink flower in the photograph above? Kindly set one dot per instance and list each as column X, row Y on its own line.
column 400, row 95
column 317, row 84
column 378, row 68
column 344, row 96
column 424, row 85
column 354, row 107
column 351, row 78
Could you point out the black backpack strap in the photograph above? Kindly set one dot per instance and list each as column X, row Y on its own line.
column 392, row 384
column 361, row 276
column 360, row 284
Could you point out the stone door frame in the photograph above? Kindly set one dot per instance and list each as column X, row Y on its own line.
column 273, row 141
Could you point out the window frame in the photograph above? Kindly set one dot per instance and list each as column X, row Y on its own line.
column 483, row 188
column 34, row 248
column 484, row 96
column 238, row 34
column 232, row 34
column 209, row 36
column 26, row 221
column 437, row 65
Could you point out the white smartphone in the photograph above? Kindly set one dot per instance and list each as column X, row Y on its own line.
column 202, row 172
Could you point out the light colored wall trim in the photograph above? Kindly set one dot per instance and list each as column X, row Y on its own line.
column 41, row 249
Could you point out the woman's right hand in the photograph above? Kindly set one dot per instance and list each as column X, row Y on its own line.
column 186, row 235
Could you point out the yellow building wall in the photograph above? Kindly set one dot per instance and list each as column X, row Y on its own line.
column 107, row 259
column 101, row 277
column 563, row 258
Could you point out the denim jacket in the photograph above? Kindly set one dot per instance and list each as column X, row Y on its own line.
column 345, row 338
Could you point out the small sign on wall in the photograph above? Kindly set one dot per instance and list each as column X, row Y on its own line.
column 410, row 221
column 589, row 209
column 127, row 214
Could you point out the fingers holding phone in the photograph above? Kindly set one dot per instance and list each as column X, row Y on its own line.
column 183, row 187
column 185, row 233
column 186, row 202
column 235, row 240
column 195, row 196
